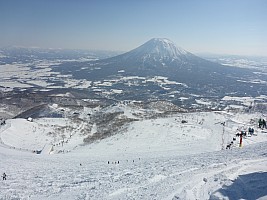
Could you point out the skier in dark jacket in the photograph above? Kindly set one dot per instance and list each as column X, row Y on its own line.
column 263, row 123
column 260, row 123
column 249, row 131
column 4, row 176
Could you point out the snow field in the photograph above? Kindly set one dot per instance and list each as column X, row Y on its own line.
column 153, row 159
column 176, row 177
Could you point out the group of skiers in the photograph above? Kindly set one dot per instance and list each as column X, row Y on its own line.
column 262, row 123
column 244, row 133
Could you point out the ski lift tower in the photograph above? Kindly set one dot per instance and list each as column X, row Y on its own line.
column 223, row 135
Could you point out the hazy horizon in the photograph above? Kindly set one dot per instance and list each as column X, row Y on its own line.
column 219, row 27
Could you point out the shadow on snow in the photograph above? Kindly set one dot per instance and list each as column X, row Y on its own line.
column 248, row 186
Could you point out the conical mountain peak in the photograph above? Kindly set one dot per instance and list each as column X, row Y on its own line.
column 155, row 52
column 163, row 47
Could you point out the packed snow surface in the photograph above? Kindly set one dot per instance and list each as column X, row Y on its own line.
column 153, row 159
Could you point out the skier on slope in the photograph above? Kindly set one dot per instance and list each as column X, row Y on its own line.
column 4, row 176
column 260, row 123
column 263, row 123
column 252, row 131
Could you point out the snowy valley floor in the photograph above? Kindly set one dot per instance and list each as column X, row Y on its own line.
column 155, row 173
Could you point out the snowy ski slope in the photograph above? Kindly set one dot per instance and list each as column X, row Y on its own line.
column 153, row 159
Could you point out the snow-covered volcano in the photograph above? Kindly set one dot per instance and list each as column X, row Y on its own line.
column 157, row 51
column 162, row 58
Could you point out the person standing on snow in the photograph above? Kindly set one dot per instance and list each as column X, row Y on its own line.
column 4, row 176
column 260, row 123
column 252, row 131
column 263, row 123
column 249, row 131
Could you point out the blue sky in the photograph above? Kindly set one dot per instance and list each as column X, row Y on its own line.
column 214, row 26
